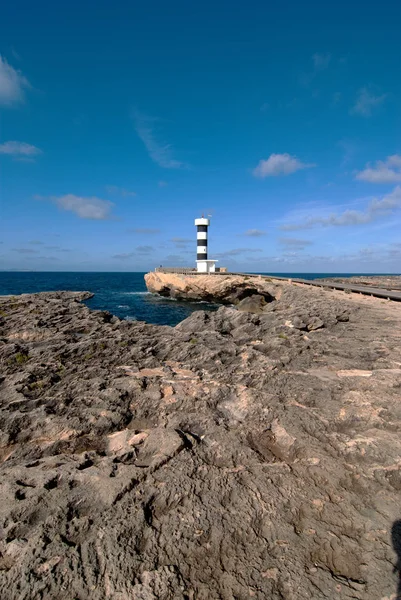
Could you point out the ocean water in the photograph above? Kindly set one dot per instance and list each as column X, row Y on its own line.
column 123, row 294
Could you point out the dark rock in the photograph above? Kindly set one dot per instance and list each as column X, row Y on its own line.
column 315, row 323
column 253, row 304
column 298, row 323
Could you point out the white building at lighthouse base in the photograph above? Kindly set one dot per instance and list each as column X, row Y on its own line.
column 206, row 266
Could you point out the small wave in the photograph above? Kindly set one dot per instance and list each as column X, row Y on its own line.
column 123, row 306
column 156, row 298
column 134, row 293
column 128, row 318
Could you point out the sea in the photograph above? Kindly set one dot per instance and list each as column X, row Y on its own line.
column 123, row 294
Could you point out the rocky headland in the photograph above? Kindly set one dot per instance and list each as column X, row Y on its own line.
column 249, row 453
column 223, row 289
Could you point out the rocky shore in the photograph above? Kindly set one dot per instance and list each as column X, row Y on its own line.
column 250, row 453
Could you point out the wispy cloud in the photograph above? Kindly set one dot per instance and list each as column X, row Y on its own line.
column 15, row 54
column 255, row 233
column 144, row 249
column 295, row 243
column 174, row 259
column 25, row 250
column 85, row 208
column 180, row 240
column 320, row 62
column 57, row 249
column 160, row 152
column 12, row 84
column 36, row 242
column 366, row 102
column 387, row 171
column 115, row 190
column 143, row 230
column 378, row 254
column 237, row 251
column 37, row 258
column 123, row 255
column 279, row 164
column 139, row 250
column 19, row 149
column 375, row 209
column 162, row 184
column 349, row 149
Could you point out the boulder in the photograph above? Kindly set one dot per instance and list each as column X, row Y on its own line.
column 253, row 304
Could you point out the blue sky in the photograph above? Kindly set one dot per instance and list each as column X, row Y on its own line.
column 122, row 122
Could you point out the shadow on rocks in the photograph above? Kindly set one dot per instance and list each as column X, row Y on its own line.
column 396, row 539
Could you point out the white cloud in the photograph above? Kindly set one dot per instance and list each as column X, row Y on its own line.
column 85, row 208
column 279, row 164
column 375, row 209
column 19, row 149
column 12, row 84
column 159, row 152
column 366, row 102
column 388, row 171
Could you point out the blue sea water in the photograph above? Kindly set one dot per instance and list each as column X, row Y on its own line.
column 123, row 294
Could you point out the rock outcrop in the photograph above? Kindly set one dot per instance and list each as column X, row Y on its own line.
column 237, row 455
column 222, row 289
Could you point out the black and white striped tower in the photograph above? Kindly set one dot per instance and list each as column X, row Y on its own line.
column 203, row 264
column 201, row 238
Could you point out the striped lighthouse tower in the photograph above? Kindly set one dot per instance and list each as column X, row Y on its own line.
column 201, row 238
column 203, row 265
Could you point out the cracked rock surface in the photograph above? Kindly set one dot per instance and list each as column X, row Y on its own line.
column 250, row 453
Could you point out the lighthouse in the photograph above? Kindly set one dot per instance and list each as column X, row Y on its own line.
column 203, row 265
